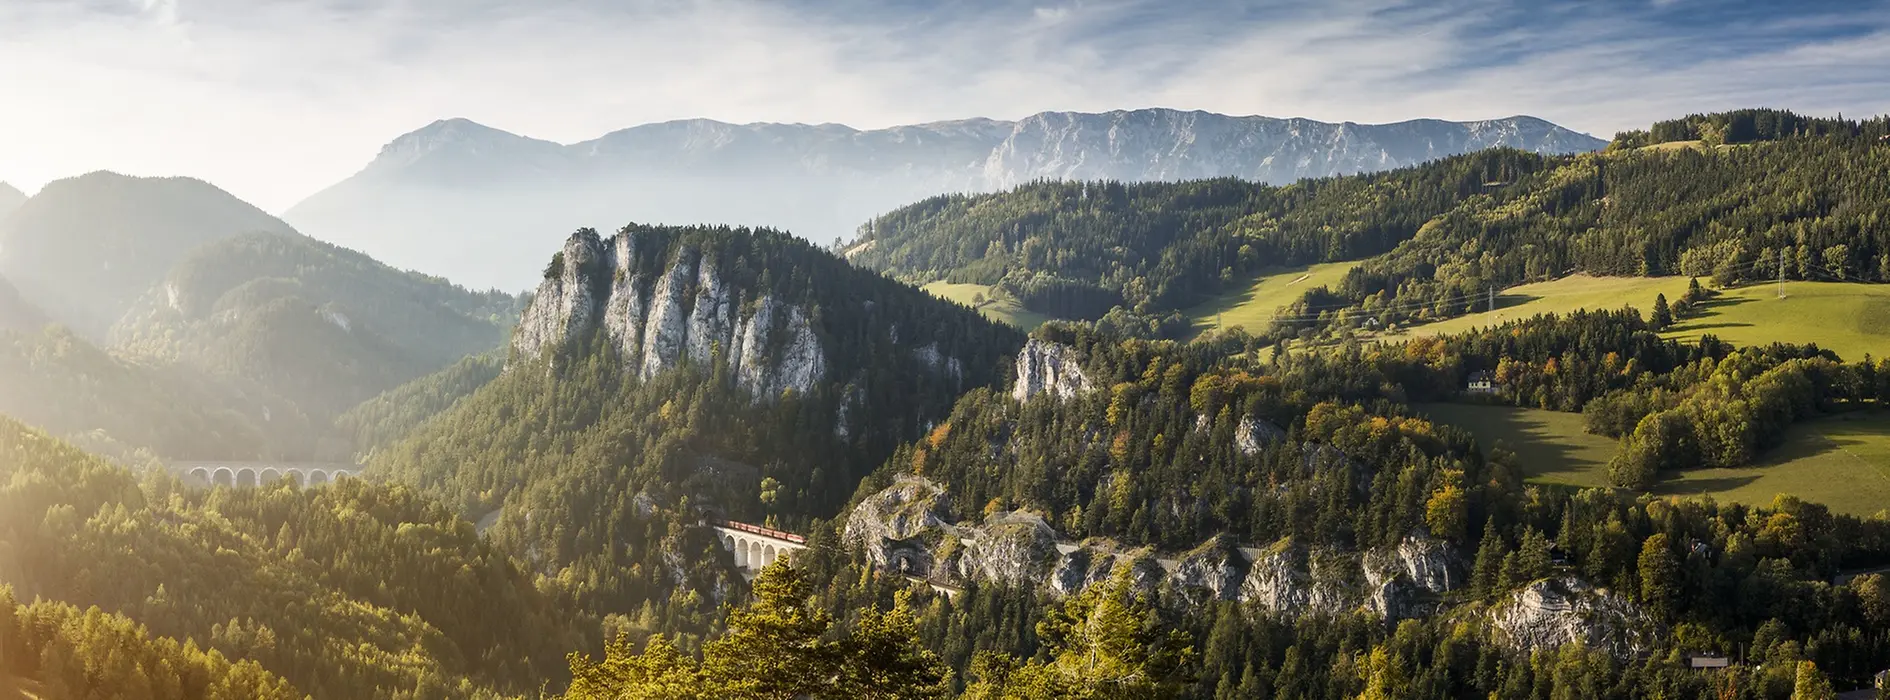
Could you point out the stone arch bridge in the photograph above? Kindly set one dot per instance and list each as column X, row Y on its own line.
column 252, row 474
column 756, row 547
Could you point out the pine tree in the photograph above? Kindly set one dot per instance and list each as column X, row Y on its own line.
column 883, row 658
column 1511, row 573
column 1811, row 683
column 1659, row 574
column 1534, row 559
column 774, row 648
column 1662, row 316
column 1222, row 653
column 1489, row 564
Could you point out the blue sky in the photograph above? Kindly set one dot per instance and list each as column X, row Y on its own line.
column 274, row 99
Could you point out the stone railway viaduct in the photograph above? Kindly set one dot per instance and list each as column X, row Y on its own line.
column 253, row 474
column 756, row 547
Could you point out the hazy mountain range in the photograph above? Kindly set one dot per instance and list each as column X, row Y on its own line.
column 10, row 198
column 468, row 201
column 171, row 282
column 84, row 248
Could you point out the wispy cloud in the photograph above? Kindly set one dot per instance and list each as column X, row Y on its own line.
column 275, row 100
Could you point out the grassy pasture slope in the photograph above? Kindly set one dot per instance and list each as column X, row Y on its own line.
column 1842, row 461
column 1562, row 296
column 1004, row 310
column 1550, row 446
column 1253, row 308
column 1850, row 318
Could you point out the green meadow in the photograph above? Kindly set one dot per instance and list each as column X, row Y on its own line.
column 1253, row 308
column 1842, row 461
column 1852, row 319
column 982, row 298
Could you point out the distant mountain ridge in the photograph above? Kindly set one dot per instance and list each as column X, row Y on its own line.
column 15, row 312
column 10, row 198
column 84, row 248
column 171, row 282
column 484, row 189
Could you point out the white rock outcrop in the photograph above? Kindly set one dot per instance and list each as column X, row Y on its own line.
column 691, row 315
column 900, row 521
column 1288, row 579
column 1402, row 581
column 1552, row 612
column 1047, row 367
column 1254, row 433
column 907, row 527
column 1015, row 548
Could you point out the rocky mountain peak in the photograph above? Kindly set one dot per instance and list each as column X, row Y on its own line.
column 685, row 313
column 458, row 149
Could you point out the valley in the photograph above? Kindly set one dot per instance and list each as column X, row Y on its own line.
column 1005, row 447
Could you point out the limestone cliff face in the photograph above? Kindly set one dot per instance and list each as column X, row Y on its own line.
column 1288, row 578
column 902, row 528
column 906, row 527
column 1404, row 581
column 1552, row 612
column 1048, row 367
column 687, row 313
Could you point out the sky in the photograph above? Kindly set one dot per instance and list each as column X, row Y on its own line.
column 274, row 100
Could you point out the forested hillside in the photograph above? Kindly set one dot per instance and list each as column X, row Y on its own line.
column 1277, row 493
column 323, row 326
column 1435, row 238
column 56, row 380
column 16, row 313
column 1077, row 249
column 55, row 650
column 84, row 248
column 352, row 590
column 387, row 418
column 667, row 373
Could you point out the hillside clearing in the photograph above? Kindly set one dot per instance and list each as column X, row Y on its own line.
column 1841, row 461
column 1849, row 318
column 1550, row 446
column 1253, row 308
column 1005, row 310
column 1571, row 293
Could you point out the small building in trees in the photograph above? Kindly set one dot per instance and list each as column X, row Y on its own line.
column 1707, row 661
column 1481, row 382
